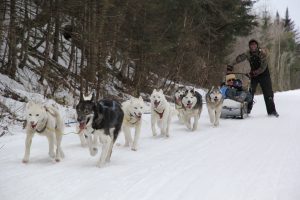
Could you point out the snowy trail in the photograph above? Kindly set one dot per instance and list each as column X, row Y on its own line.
column 255, row 158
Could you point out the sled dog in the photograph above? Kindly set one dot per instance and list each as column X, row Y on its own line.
column 133, row 110
column 100, row 120
column 46, row 121
column 214, row 102
column 160, row 113
column 192, row 104
column 178, row 102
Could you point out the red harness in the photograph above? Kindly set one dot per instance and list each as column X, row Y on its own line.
column 160, row 114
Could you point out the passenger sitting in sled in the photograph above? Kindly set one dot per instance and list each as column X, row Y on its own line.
column 233, row 89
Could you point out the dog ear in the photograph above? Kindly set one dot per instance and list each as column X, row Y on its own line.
column 193, row 90
column 161, row 91
column 141, row 98
column 131, row 100
column 29, row 104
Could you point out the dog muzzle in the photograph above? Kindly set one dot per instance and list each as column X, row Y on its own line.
column 32, row 125
column 156, row 103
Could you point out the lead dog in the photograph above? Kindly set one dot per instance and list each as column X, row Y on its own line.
column 192, row 103
column 214, row 102
column 102, row 120
column 46, row 121
column 133, row 110
column 160, row 113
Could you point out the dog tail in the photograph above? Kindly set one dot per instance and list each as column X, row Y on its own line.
column 53, row 110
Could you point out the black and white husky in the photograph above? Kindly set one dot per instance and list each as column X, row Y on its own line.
column 192, row 104
column 102, row 120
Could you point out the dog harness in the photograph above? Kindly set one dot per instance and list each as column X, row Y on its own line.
column 43, row 129
column 160, row 114
column 131, row 116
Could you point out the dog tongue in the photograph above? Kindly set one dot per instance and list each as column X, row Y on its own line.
column 189, row 105
column 81, row 125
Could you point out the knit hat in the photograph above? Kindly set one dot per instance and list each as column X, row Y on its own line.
column 230, row 76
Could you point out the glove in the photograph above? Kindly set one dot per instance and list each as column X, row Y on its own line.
column 254, row 73
column 229, row 68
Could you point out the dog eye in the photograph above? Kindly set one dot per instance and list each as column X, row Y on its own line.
column 37, row 115
column 135, row 107
column 29, row 114
column 141, row 107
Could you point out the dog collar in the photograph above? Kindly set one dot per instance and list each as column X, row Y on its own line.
column 160, row 114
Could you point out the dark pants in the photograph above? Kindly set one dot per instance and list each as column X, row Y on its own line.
column 264, row 80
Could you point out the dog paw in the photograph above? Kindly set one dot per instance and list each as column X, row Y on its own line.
column 94, row 151
column 25, row 161
column 134, row 148
column 100, row 165
column 52, row 154
column 57, row 159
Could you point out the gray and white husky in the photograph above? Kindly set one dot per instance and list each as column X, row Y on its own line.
column 178, row 102
column 192, row 104
column 214, row 102
column 102, row 121
column 46, row 121
column 133, row 110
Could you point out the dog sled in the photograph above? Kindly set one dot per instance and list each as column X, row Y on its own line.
column 232, row 108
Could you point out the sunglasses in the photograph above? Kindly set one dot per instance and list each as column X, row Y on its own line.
column 230, row 79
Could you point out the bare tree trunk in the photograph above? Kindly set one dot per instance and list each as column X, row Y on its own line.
column 56, row 31
column 12, row 55
column 47, row 48
column 24, row 50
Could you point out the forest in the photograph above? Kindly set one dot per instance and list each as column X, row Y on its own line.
column 137, row 45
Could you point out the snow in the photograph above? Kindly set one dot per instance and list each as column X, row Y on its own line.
column 257, row 158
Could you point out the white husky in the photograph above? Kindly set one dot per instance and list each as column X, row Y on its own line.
column 44, row 120
column 192, row 103
column 133, row 110
column 161, row 113
column 214, row 102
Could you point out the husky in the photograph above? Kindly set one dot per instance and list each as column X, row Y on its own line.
column 192, row 104
column 214, row 102
column 161, row 113
column 101, row 121
column 133, row 110
column 178, row 102
column 45, row 121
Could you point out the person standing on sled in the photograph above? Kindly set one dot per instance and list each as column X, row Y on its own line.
column 259, row 74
